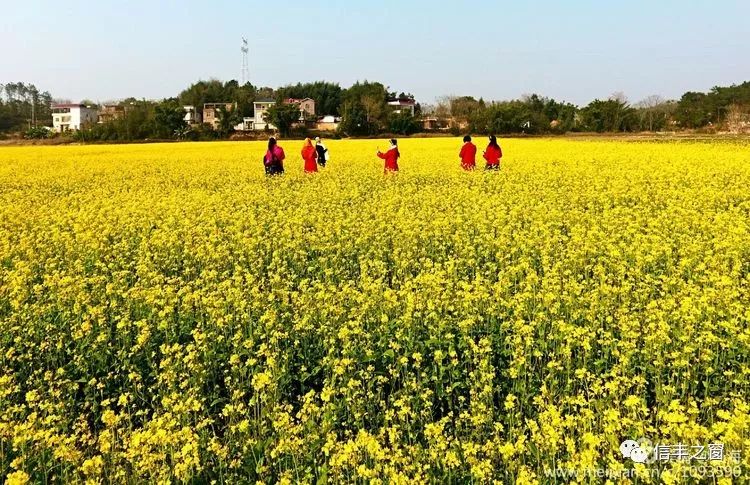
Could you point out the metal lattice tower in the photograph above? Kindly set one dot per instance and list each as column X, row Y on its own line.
column 245, row 69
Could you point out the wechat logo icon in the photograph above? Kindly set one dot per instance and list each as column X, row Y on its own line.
column 635, row 450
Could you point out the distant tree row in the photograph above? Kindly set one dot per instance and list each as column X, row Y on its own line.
column 141, row 120
column 22, row 106
column 364, row 110
column 535, row 114
column 144, row 120
column 697, row 110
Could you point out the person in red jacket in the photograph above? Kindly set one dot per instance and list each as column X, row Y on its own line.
column 274, row 158
column 493, row 154
column 309, row 155
column 391, row 157
column 468, row 154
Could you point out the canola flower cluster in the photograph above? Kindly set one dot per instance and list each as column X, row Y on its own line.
column 169, row 314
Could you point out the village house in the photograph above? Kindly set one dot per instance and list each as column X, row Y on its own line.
column 246, row 125
column 328, row 123
column 192, row 115
column 432, row 124
column 260, row 106
column 306, row 106
column 111, row 112
column 403, row 104
column 67, row 117
column 211, row 112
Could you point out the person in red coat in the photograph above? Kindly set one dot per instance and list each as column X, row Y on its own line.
column 309, row 155
column 391, row 157
column 468, row 154
column 493, row 154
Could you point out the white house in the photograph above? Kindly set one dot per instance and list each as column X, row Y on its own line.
column 192, row 115
column 260, row 106
column 72, row 116
column 403, row 104
column 328, row 123
column 246, row 125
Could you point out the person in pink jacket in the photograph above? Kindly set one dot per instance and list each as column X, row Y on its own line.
column 274, row 158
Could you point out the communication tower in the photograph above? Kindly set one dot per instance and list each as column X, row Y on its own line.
column 245, row 70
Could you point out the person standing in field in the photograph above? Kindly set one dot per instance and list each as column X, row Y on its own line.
column 309, row 155
column 322, row 152
column 274, row 158
column 391, row 157
column 493, row 154
column 468, row 154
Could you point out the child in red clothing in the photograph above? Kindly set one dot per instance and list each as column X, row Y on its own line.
column 468, row 154
column 493, row 154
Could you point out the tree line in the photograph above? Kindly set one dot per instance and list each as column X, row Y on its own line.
column 364, row 110
column 23, row 106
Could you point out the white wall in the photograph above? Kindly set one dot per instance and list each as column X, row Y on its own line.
column 259, row 109
column 73, row 119
column 87, row 116
column 259, row 123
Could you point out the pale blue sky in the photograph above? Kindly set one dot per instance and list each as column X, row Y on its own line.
column 572, row 50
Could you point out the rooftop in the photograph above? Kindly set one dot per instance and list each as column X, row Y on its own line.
column 402, row 102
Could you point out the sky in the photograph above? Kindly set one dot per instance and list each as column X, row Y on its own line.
column 573, row 50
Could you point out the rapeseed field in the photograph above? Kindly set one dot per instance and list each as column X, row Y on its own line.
column 169, row 314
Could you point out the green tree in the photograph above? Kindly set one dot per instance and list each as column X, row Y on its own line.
column 282, row 116
column 694, row 110
column 608, row 116
column 169, row 118
column 201, row 92
column 654, row 113
column 24, row 106
column 403, row 123
column 139, row 121
column 561, row 116
column 136, row 123
column 354, row 120
column 241, row 95
column 37, row 133
column 364, row 109
column 464, row 106
column 327, row 96
column 737, row 94
column 228, row 119
column 514, row 116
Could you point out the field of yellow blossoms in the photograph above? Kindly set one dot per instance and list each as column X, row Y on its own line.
column 168, row 314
